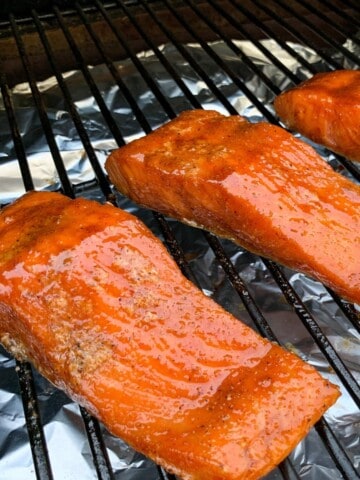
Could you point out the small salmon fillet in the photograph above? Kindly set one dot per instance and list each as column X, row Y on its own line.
column 94, row 300
column 326, row 109
column 253, row 183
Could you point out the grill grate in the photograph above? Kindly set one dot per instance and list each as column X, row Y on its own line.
column 176, row 23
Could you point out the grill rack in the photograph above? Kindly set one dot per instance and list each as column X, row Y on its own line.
column 238, row 18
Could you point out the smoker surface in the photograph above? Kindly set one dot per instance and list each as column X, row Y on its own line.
column 98, row 74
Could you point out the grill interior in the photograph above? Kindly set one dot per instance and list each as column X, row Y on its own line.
column 38, row 43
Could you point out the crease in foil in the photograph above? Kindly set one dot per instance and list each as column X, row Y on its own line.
column 69, row 451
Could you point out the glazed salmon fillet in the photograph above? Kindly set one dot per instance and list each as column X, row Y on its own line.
column 96, row 303
column 252, row 183
column 326, row 109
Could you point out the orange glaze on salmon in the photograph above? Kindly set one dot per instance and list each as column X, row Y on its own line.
column 326, row 109
column 94, row 300
column 253, row 183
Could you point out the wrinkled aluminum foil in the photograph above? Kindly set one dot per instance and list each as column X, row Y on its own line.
column 66, row 439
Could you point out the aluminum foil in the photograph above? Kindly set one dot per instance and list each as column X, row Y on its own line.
column 66, row 439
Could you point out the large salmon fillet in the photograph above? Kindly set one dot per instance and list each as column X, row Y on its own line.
column 253, row 183
column 326, row 109
column 94, row 300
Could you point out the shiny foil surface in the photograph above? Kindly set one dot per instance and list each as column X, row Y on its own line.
column 66, row 439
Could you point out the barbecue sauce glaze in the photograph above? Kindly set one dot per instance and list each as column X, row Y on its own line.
column 94, row 300
column 326, row 109
column 253, row 183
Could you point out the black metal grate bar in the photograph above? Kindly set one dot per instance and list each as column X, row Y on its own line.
column 91, row 83
column 302, row 38
column 348, row 309
column 179, row 81
column 165, row 476
column 248, row 61
column 250, row 305
column 67, row 187
column 329, row 20
column 267, row 114
column 33, row 422
column 354, row 5
column 275, row 61
column 341, row 12
column 139, row 114
column 117, row 78
column 18, row 143
column 272, row 34
column 350, row 166
column 338, row 454
column 174, row 248
column 197, row 68
column 73, row 111
column 98, row 449
column 149, row 80
column 351, row 19
column 114, row 72
column 325, row 36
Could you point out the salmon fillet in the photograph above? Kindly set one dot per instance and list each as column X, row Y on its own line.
column 94, row 300
column 326, row 109
column 253, row 183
